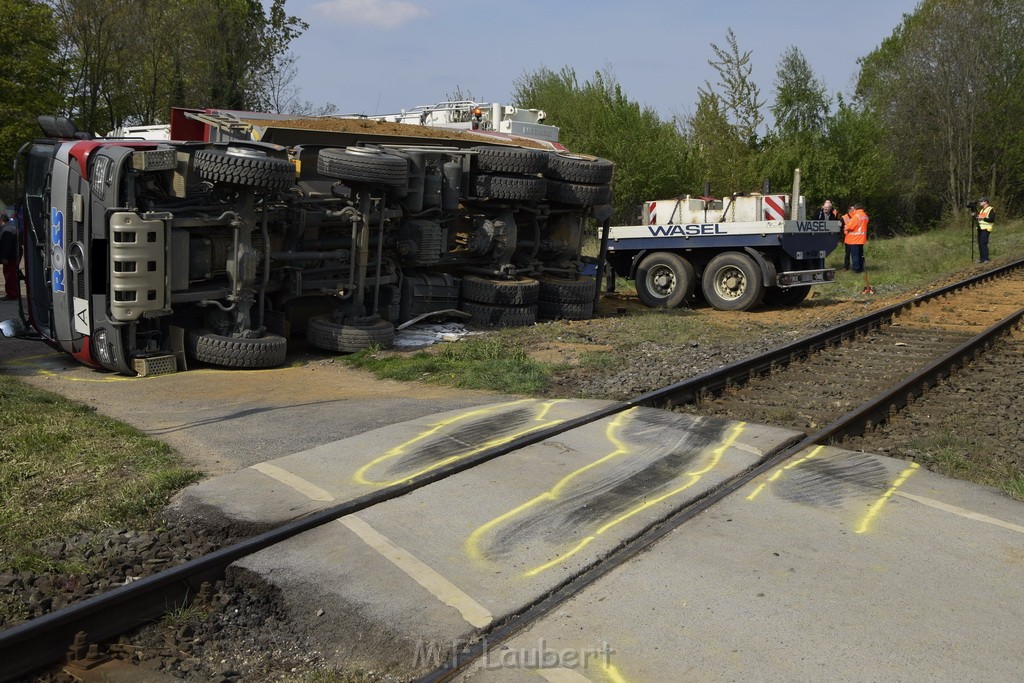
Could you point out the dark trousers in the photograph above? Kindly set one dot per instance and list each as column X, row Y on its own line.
column 846, row 257
column 983, row 244
column 11, row 278
column 857, row 257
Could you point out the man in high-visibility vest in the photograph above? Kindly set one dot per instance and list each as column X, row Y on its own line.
column 856, row 236
column 986, row 217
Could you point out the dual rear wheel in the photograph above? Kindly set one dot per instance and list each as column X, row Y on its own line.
column 732, row 281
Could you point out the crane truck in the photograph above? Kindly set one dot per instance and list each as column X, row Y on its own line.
column 736, row 252
column 244, row 230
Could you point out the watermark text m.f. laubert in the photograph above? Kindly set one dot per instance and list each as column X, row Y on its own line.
column 539, row 655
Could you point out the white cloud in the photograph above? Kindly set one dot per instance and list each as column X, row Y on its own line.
column 383, row 13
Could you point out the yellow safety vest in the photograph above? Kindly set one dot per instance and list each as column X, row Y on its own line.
column 983, row 222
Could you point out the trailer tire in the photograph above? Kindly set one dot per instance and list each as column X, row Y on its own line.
column 732, row 282
column 564, row 310
column 244, row 170
column 324, row 333
column 664, row 280
column 501, row 159
column 567, row 290
column 791, row 296
column 483, row 290
column 575, row 168
column 489, row 315
column 267, row 351
column 367, row 165
column 509, row 187
column 576, row 194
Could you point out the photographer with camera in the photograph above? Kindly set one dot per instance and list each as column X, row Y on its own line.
column 985, row 217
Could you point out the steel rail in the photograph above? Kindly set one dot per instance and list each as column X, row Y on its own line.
column 39, row 642
column 854, row 422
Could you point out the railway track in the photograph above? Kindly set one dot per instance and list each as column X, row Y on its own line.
column 899, row 352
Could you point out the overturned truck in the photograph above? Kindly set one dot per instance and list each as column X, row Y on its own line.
column 243, row 232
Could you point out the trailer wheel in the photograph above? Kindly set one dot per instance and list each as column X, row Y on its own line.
column 664, row 280
column 267, row 351
column 500, row 159
column 563, row 310
column 732, row 282
column 509, row 187
column 502, row 292
column 324, row 333
column 791, row 296
column 577, row 194
column 575, row 168
column 368, row 165
column 500, row 316
column 567, row 290
column 247, row 170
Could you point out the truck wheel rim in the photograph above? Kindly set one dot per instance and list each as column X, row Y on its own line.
column 661, row 280
column 730, row 283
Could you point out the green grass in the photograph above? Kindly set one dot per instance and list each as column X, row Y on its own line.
column 899, row 264
column 475, row 363
column 953, row 453
column 64, row 468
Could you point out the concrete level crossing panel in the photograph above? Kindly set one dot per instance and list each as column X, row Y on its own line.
column 837, row 566
column 399, row 580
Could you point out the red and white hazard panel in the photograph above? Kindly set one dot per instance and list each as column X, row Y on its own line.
column 774, row 207
column 652, row 213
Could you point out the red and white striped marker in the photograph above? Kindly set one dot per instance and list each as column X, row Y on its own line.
column 774, row 207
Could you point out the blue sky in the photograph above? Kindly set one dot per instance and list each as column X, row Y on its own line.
column 380, row 56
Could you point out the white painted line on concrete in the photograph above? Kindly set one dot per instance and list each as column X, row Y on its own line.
column 969, row 514
column 304, row 487
column 562, row 676
column 440, row 587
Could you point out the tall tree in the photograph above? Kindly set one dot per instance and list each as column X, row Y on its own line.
column 946, row 85
column 801, row 105
column 736, row 87
column 29, row 77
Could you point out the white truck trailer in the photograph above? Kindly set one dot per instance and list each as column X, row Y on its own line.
column 741, row 250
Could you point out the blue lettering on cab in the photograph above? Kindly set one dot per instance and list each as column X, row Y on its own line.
column 57, row 248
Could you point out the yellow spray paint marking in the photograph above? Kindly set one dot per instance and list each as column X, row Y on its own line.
column 473, row 542
column 778, row 472
column 611, row 672
column 360, row 477
column 716, row 457
column 876, row 507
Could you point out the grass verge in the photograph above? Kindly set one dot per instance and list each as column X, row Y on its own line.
column 476, row 363
column 64, row 469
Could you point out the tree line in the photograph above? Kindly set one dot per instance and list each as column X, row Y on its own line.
column 932, row 124
column 109, row 63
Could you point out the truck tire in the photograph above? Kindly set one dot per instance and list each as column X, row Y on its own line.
column 323, row 333
column 732, row 282
column 244, row 170
column 367, row 165
column 791, row 296
column 575, row 168
column 562, row 310
column 501, row 292
column 501, row 159
column 576, row 194
column 509, row 187
column 262, row 352
column 500, row 316
column 664, row 280
column 567, row 290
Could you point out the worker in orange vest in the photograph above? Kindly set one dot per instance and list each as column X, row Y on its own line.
column 846, row 247
column 855, row 234
column 986, row 217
